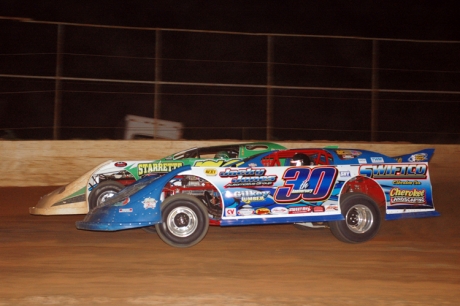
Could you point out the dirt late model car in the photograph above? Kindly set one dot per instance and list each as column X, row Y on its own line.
column 108, row 178
column 342, row 189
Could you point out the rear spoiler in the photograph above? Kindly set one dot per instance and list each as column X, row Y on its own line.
column 420, row 156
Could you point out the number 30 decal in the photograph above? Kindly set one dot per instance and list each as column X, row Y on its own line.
column 308, row 184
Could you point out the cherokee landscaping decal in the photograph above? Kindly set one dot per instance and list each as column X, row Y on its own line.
column 404, row 196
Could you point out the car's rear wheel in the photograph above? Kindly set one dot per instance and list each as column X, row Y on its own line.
column 102, row 192
column 362, row 219
column 184, row 221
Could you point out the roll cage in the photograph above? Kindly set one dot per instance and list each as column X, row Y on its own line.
column 283, row 157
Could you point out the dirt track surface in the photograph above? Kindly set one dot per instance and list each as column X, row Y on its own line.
column 45, row 260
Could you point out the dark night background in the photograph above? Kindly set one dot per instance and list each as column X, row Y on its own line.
column 93, row 110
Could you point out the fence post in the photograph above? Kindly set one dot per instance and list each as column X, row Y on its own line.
column 269, row 135
column 157, row 100
column 375, row 91
column 57, row 88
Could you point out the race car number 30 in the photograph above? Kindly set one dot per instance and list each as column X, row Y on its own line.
column 308, row 184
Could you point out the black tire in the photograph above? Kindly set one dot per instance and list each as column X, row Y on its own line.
column 185, row 221
column 103, row 191
column 362, row 219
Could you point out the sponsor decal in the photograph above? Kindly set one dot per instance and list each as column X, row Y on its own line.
column 248, row 196
column 230, row 212
column 405, row 196
column 348, row 154
column 248, row 177
column 125, row 210
column 246, row 210
column 419, row 157
column 377, row 160
column 398, row 171
column 362, row 161
column 210, row 172
column 120, row 164
column 344, row 173
column 300, row 209
column 280, row 210
column 150, row 203
column 318, row 209
column 159, row 167
column 262, row 211
column 331, row 207
column 399, row 182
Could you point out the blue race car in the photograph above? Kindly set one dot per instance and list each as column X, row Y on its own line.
column 342, row 189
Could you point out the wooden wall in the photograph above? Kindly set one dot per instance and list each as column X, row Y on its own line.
column 50, row 163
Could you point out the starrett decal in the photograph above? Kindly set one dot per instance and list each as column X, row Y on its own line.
column 162, row 167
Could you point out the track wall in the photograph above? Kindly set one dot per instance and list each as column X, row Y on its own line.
column 49, row 163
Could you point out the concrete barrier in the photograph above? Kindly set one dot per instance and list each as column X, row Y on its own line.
column 54, row 163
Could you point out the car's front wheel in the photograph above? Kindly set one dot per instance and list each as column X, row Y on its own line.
column 184, row 221
column 102, row 192
column 362, row 219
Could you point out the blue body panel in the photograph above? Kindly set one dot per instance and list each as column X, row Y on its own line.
column 142, row 208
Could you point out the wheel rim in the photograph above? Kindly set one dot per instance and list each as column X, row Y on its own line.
column 104, row 196
column 359, row 219
column 182, row 221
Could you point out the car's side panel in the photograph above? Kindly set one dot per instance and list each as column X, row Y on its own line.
column 262, row 195
column 407, row 187
column 267, row 195
column 312, row 193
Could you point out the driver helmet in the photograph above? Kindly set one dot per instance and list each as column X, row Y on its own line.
column 300, row 159
column 221, row 154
